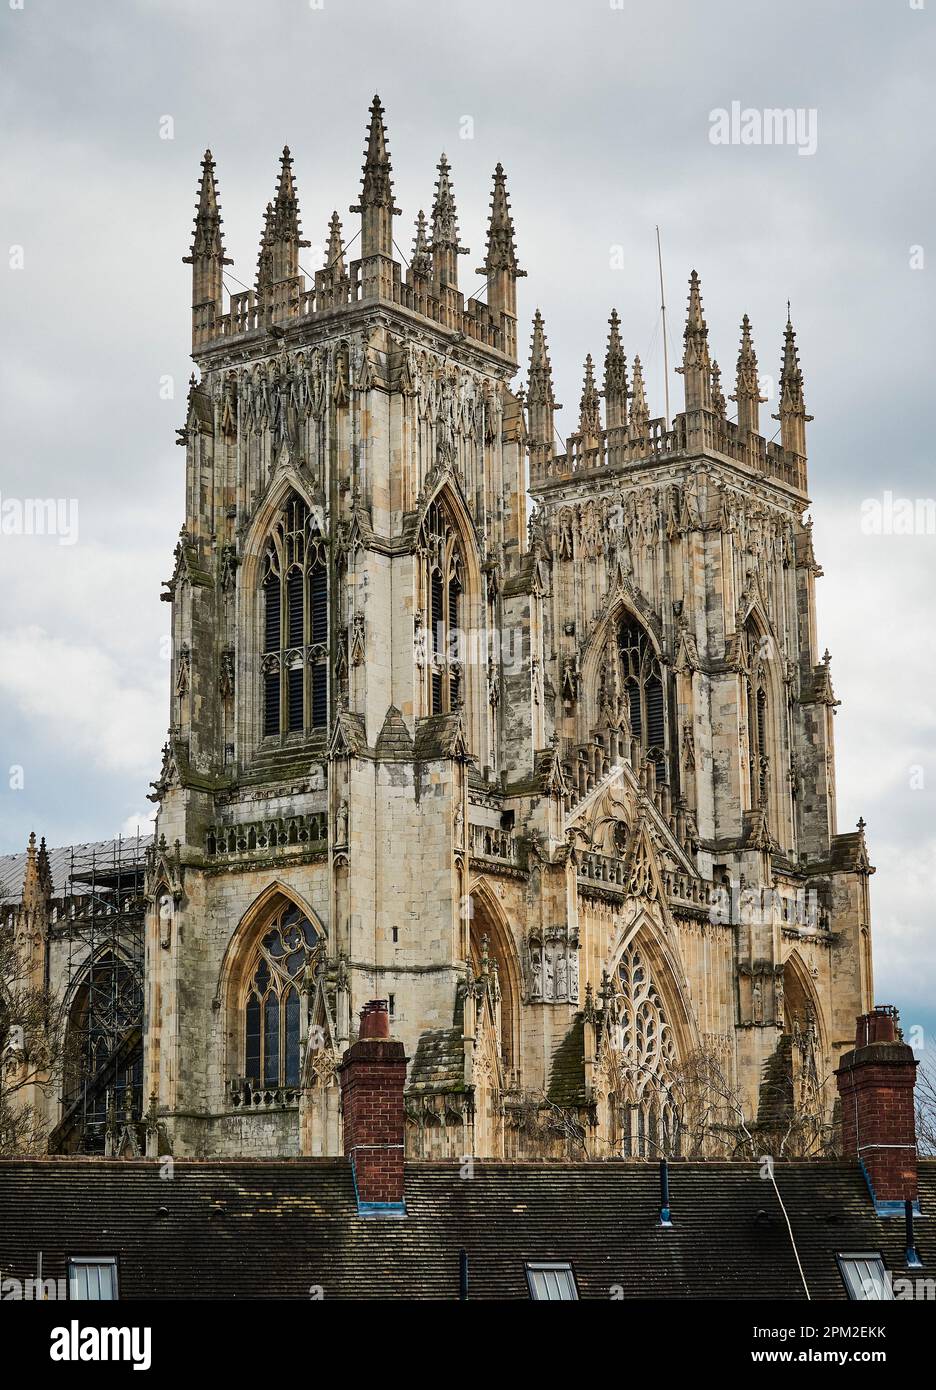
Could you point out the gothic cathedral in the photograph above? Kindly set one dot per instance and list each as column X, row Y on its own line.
column 537, row 746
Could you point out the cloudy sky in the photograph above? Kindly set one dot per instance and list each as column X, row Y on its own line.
column 601, row 112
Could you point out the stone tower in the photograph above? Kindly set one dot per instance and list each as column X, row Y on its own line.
column 557, row 786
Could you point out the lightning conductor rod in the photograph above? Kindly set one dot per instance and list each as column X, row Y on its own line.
column 663, row 314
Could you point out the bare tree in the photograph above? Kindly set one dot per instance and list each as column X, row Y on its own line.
column 926, row 1107
column 32, row 1050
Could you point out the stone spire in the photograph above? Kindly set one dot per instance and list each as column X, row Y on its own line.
column 696, row 365
column 31, row 922
column 445, row 247
column 501, row 244
column 792, row 415
column 718, row 395
column 639, row 411
column 589, row 406
column 334, row 256
column 376, row 203
column 500, row 267
column 615, row 377
column 747, row 389
column 265, row 254
column 37, row 881
column 285, row 237
column 421, row 260
column 541, row 399
column 207, row 254
column 331, row 282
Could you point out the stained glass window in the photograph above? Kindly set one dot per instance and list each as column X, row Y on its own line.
column 272, row 1000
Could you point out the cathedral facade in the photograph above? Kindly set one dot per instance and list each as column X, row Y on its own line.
column 535, row 744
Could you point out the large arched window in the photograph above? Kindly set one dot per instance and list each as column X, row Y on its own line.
column 103, row 1061
column 643, row 688
column 648, row 1118
column 295, row 625
column 271, row 1000
column 444, row 591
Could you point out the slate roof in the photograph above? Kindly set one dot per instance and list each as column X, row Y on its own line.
column 439, row 1062
column 252, row 1229
column 106, row 853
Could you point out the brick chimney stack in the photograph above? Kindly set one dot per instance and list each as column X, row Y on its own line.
column 875, row 1081
column 373, row 1073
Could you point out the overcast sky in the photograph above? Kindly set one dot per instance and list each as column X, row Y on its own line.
column 601, row 115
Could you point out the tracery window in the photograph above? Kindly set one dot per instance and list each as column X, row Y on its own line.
column 271, row 1003
column 295, row 624
column 648, row 1118
column 103, row 1051
column 444, row 572
column 643, row 688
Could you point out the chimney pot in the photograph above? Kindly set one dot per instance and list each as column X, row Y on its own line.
column 375, row 1019
column 875, row 1081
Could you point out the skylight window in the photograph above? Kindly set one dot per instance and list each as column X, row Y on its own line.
column 551, row 1283
column 92, row 1279
column 865, row 1277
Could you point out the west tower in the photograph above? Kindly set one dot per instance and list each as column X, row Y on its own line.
column 559, row 788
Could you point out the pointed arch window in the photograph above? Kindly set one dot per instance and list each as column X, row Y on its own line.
column 440, row 549
column 643, row 686
column 648, row 1119
column 271, row 1006
column 295, row 625
column 758, row 716
column 103, row 1051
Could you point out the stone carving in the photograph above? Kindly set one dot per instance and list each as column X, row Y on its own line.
column 165, row 908
column 341, row 824
column 552, row 966
column 226, row 673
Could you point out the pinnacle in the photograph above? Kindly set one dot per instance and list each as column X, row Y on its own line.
column 419, row 261
column 444, row 217
column 377, row 189
column 590, row 421
column 334, row 256
column 640, row 414
column 540, row 373
column 695, row 323
column 206, row 238
column 615, row 370
column 501, row 251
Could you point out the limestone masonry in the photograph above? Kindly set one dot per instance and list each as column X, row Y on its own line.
column 536, row 746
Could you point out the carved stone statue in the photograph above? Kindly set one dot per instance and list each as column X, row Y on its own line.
column 536, row 963
column 165, row 921
column 549, row 991
column 562, row 974
column 341, row 823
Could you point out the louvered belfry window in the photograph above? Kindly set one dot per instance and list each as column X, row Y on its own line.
column 294, row 625
column 758, row 714
column 441, row 553
column 643, row 682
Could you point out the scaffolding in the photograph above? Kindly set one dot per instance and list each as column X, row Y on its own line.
column 102, row 912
